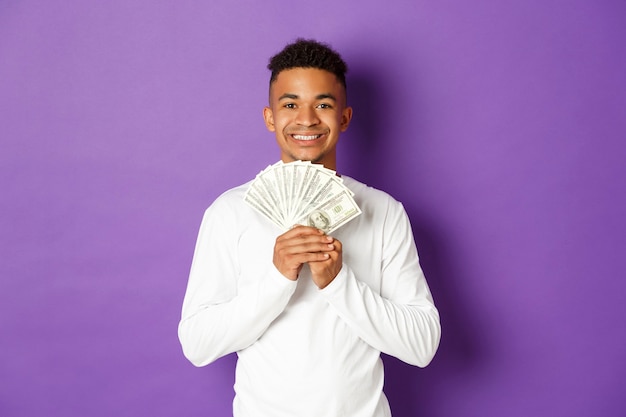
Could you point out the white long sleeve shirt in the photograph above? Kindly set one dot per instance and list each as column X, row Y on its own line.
column 303, row 351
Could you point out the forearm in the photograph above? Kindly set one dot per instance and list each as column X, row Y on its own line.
column 211, row 330
column 408, row 331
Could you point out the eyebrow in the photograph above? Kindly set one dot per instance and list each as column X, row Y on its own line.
column 323, row 96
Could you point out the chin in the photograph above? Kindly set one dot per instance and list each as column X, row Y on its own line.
column 305, row 157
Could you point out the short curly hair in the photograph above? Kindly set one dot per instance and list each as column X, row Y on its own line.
column 308, row 53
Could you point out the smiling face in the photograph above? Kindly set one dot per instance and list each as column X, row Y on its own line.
column 307, row 112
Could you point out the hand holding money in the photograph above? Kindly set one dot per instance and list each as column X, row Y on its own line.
column 324, row 272
column 304, row 193
column 304, row 244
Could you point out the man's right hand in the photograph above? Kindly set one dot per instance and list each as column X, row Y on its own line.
column 298, row 246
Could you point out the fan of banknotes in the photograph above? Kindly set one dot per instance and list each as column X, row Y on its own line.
column 304, row 193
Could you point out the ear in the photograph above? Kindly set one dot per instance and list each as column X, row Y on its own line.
column 268, row 116
column 346, row 116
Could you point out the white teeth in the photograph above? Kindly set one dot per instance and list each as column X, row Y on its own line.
column 302, row 137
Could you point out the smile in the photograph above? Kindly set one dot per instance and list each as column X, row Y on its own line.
column 306, row 137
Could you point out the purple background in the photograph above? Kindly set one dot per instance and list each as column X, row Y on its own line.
column 500, row 125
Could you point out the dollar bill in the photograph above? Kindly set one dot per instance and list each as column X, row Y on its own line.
column 332, row 213
column 301, row 192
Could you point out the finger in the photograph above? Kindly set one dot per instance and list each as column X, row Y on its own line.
column 335, row 254
column 293, row 261
column 300, row 230
column 302, row 246
column 305, row 242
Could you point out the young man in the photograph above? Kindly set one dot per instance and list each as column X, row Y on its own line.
column 308, row 314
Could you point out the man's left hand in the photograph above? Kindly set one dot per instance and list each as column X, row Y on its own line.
column 324, row 272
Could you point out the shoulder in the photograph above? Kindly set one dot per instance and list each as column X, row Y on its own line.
column 230, row 201
column 367, row 196
column 378, row 208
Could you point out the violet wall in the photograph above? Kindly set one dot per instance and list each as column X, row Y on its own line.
column 500, row 125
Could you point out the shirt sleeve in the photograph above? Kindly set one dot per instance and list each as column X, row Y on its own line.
column 218, row 316
column 401, row 320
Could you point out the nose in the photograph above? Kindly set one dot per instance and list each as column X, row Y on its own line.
column 307, row 116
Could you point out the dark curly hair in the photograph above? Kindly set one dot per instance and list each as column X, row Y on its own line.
column 308, row 53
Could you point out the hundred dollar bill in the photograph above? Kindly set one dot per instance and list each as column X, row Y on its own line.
column 315, row 180
column 333, row 213
column 257, row 198
column 300, row 192
column 268, row 185
column 298, row 171
column 325, row 189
